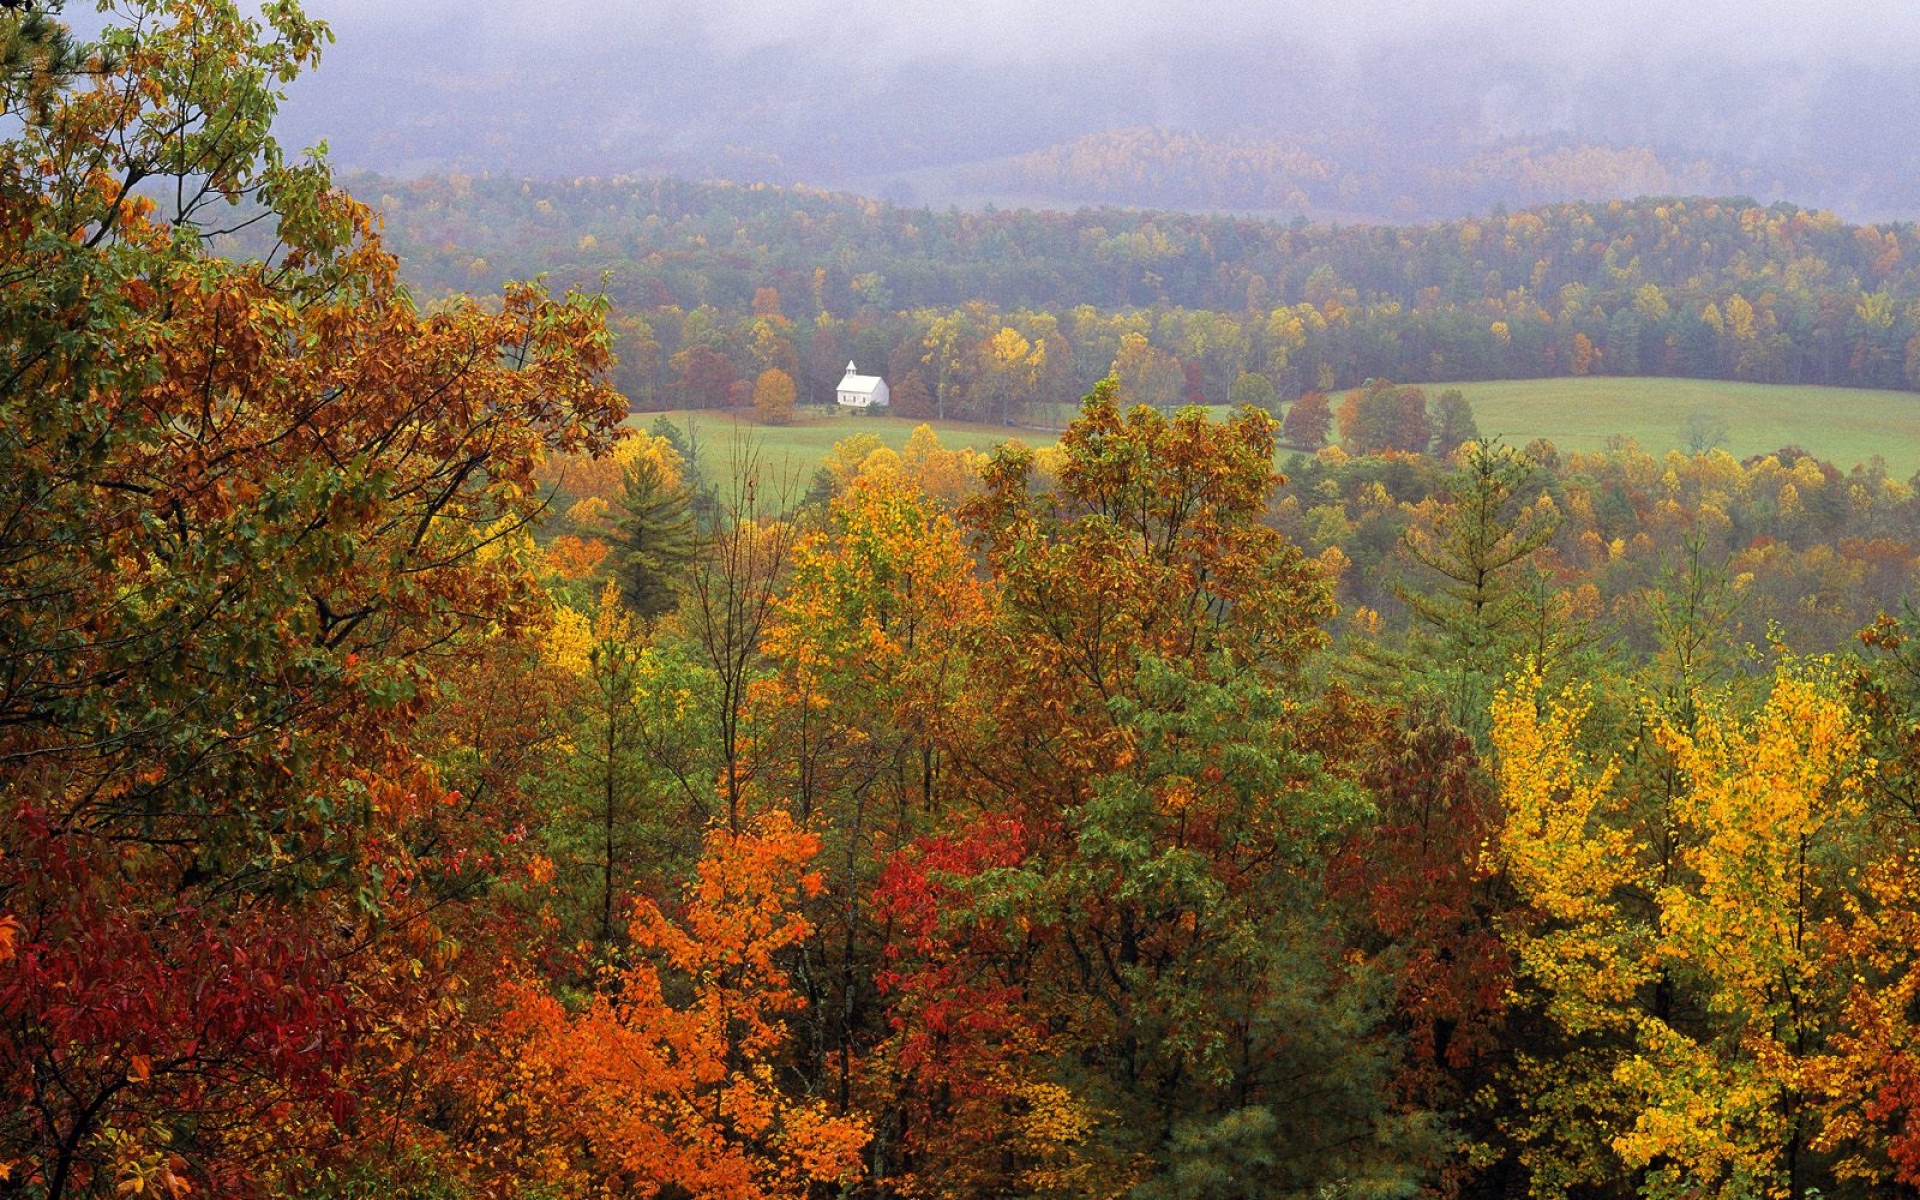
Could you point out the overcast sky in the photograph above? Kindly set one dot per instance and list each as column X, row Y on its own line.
column 853, row 91
column 1748, row 30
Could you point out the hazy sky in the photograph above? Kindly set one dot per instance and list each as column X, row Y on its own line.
column 1747, row 30
column 857, row 91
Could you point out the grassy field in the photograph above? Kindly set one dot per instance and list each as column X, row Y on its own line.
column 797, row 449
column 1842, row 425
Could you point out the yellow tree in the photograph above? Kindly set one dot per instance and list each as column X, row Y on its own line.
column 1771, row 810
column 1692, row 1005
column 773, row 397
column 1007, row 375
column 1582, row 956
column 1146, row 374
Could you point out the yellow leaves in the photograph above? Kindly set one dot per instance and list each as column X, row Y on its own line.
column 146, row 1169
column 1177, row 794
column 645, row 448
column 1875, row 310
column 847, row 456
column 1008, row 350
column 611, row 622
column 1790, row 505
column 1373, row 499
column 1556, row 838
column 1759, row 814
column 1334, row 562
column 568, row 643
column 1761, row 794
column 1709, row 1118
column 1052, row 1124
column 949, row 476
column 1368, row 623
column 505, row 540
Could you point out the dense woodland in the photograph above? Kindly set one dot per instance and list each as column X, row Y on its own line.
column 1008, row 316
column 419, row 780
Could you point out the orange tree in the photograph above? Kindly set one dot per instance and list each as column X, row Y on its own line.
column 246, row 511
column 667, row 1079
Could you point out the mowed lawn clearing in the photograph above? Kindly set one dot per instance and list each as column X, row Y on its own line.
column 1844, row 426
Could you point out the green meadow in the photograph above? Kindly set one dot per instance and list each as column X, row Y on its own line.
column 793, row 452
column 1842, row 425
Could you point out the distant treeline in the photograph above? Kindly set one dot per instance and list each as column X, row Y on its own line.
column 997, row 315
column 1278, row 175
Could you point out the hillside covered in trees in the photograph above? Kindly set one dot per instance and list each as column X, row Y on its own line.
column 419, row 782
column 998, row 315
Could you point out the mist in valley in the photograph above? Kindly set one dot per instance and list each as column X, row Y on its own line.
column 1373, row 112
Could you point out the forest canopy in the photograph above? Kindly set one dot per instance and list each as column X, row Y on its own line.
column 419, row 780
column 716, row 283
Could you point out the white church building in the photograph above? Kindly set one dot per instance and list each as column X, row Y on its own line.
column 862, row 391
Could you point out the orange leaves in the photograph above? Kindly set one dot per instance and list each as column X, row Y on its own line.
column 263, row 511
column 742, row 912
column 574, row 558
column 667, row 1077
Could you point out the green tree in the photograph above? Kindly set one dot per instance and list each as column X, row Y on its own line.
column 38, row 57
column 658, row 540
column 1453, row 423
column 1167, row 841
column 1254, row 390
column 1472, row 541
column 601, row 797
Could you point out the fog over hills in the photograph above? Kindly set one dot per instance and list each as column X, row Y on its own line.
column 1356, row 111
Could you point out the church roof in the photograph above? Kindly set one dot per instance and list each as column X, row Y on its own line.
column 856, row 382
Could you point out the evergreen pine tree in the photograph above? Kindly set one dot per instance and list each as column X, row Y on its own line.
column 38, row 56
column 658, row 540
column 1478, row 544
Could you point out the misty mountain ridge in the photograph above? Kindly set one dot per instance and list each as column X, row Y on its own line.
column 1390, row 132
column 1328, row 179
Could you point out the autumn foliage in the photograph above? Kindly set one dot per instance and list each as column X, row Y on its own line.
column 412, row 784
column 670, row 1068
